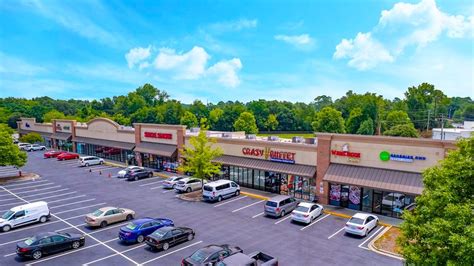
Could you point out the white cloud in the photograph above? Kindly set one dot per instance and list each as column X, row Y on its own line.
column 137, row 55
column 226, row 72
column 189, row 65
column 402, row 26
column 364, row 52
column 235, row 25
column 299, row 41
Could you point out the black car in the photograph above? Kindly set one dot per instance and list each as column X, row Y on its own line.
column 136, row 174
column 165, row 237
column 47, row 243
column 210, row 255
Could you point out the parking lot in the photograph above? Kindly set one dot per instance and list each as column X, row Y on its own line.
column 73, row 191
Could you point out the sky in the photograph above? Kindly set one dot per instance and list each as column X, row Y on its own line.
column 235, row 50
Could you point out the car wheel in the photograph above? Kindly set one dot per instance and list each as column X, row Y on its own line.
column 366, row 231
column 76, row 244
column 219, row 199
column 101, row 162
column 190, row 237
column 43, row 219
column 136, row 178
column 103, row 224
column 43, row 149
column 6, row 228
column 188, row 189
column 282, row 213
column 140, row 238
column 87, row 164
column 37, row 255
column 150, row 175
column 237, row 193
column 166, row 246
column 129, row 217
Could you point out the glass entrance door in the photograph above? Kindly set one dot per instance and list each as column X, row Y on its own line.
column 344, row 196
column 377, row 202
column 272, row 182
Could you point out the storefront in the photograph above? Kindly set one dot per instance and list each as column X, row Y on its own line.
column 45, row 130
column 62, row 134
column 111, row 150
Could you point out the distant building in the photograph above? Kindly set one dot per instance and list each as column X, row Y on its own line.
column 454, row 133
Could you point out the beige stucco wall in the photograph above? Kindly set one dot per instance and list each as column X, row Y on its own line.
column 105, row 130
column 370, row 155
column 173, row 140
column 38, row 127
column 64, row 126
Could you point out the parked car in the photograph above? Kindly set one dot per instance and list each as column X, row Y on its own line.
column 108, row 215
column 100, row 149
column 137, row 230
column 52, row 154
column 280, row 205
column 306, row 212
column 121, row 173
column 25, row 214
column 165, row 237
column 172, row 181
column 361, row 224
column 22, row 145
column 34, row 147
column 90, row 160
column 395, row 200
column 253, row 259
column 136, row 174
column 67, row 156
column 209, row 255
column 187, row 185
column 220, row 189
column 48, row 243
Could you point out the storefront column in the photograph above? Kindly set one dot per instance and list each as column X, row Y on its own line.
column 138, row 158
column 323, row 161
column 180, row 145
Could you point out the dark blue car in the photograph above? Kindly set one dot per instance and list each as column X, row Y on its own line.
column 137, row 230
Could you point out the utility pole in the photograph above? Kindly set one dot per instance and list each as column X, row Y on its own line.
column 442, row 126
column 428, row 123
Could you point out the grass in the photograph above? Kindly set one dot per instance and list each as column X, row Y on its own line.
column 388, row 241
column 287, row 135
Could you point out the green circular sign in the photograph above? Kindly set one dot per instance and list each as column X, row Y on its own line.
column 385, row 156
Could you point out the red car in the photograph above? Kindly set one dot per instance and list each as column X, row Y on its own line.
column 52, row 154
column 112, row 151
column 67, row 156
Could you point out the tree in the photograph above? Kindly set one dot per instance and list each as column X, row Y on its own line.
column 405, row 130
column 32, row 137
column 366, row 128
column 422, row 99
column 322, row 101
column 214, row 116
column 189, row 119
column 329, row 120
column 12, row 119
column 440, row 231
column 10, row 154
column 246, row 122
column 53, row 114
column 468, row 113
column 199, row 155
column 394, row 118
column 5, row 127
column 199, row 110
column 354, row 121
column 271, row 123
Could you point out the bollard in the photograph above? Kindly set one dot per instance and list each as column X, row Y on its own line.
column 110, row 175
column 90, row 170
column 100, row 172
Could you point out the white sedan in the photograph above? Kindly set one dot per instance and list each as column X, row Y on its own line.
column 172, row 181
column 306, row 212
column 121, row 173
column 34, row 147
column 361, row 224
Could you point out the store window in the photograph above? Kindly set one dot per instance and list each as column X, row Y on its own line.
column 335, row 194
column 354, row 197
column 367, row 200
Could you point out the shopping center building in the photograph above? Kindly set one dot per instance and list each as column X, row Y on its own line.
column 370, row 173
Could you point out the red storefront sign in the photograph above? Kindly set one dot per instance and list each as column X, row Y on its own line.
column 157, row 135
column 269, row 154
column 346, row 153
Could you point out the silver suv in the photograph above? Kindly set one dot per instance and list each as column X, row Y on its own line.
column 278, row 206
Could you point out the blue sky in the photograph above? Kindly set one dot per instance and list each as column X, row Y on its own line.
column 234, row 50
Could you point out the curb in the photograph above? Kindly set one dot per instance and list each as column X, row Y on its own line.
column 383, row 252
column 337, row 214
column 251, row 195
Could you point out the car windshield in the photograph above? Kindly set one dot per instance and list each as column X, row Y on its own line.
column 302, row 209
column 30, row 240
column 159, row 233
column 199, row 256
column 207, row 188
column 390, row 198
column 271, row 204
column 7, row 214
column 97, row 213
column 354, row 220
column 131, row 226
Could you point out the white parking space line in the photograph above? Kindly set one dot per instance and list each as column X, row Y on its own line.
column 157, row 187
column 142, row 185
column 256, row 215
column 70, row 252
column 283, row 219
column 241, row 208
column 80, row 208
column 8, row 199
column 166, row 191
column 36, row 190
column 336, row 233
column 322, row 218
column 55, row 196
column 59, row 200
column 103, row 169
column 72, row 203
column 35, row 182
column 39, row 225
column 372, row 236
column 171, row 252
column 78, row 229
column 113, row 255
column 40, row 185
column 21, row 181
column 229, row 201
column 44, row 193
column 10, row 204
column 147, row 179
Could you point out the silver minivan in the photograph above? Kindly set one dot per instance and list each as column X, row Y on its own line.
column 280, row 205
column 90, row 160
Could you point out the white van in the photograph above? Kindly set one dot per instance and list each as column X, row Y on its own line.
column 25, row 214
column 90, row 160
column 220, row 189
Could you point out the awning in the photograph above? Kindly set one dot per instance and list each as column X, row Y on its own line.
column 106, row 143
column 391, row 180
column 61, row 136
column 165, row 150
column 292, row 169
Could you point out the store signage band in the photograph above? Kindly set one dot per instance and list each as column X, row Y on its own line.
column 344, row 152
column 269, row 154
column 62, row 128
column 387, row 156
column 156, row 135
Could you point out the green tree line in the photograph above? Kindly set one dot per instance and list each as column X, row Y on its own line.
column 423, row 107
